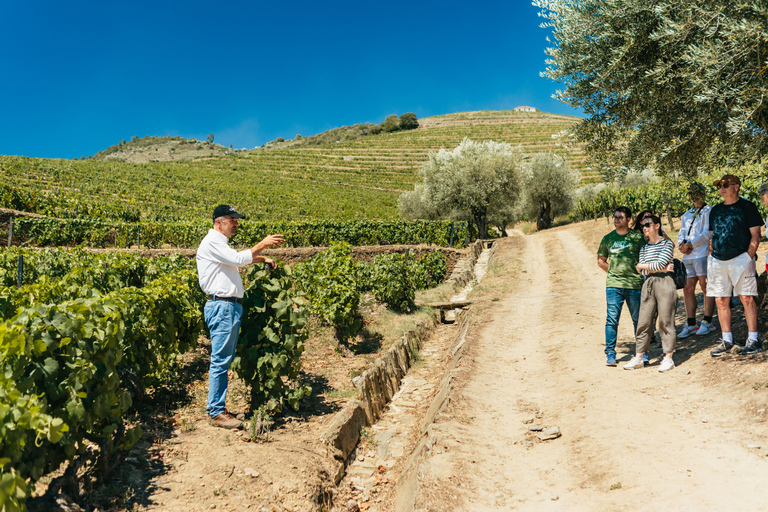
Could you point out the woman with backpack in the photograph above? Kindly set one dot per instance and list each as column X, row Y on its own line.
column 658, row 296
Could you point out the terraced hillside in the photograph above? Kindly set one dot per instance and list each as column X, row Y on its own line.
column 391, row 161
column 351, row 179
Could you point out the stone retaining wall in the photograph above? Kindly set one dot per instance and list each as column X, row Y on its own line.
column 381, row 381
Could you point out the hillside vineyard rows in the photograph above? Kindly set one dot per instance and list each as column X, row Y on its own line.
column 364, row 176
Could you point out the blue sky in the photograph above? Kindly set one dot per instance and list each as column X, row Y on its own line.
column 77, row 77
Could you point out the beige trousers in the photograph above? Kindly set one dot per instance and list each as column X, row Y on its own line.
column 659, row 295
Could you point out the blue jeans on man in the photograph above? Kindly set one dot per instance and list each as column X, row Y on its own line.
column 615, row 298
column 223, row 320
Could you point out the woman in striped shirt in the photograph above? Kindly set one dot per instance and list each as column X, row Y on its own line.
column 659, row 295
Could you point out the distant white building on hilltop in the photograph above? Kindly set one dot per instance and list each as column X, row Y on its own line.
column 525, row 109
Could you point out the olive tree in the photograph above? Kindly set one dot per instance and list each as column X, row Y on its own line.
column 473, row 181
column 668, row 83
column 550, row 184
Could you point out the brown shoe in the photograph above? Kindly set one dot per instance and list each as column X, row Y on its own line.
column 224, row 420
column 239, row 415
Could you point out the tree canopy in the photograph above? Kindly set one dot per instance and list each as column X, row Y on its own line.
column 471, row 181
column 549, row 188
column 675, row 84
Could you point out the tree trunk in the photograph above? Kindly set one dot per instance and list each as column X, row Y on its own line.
column 481, row 221
column 545, row 218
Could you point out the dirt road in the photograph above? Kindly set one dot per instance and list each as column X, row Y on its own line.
column 690, row 439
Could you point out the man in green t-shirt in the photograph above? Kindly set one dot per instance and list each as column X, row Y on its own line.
column 618, row 255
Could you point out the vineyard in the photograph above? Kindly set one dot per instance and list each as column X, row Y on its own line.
column 85, row 334
column 364, row 176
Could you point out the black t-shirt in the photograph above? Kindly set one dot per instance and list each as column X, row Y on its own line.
column 730, row 225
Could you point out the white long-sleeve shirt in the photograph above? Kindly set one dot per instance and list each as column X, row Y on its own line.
column 217, row 266
column 700, row 233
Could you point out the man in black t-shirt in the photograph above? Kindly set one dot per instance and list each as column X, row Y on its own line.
column 735, row 224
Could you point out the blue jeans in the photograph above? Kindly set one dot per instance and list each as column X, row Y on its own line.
column 615, row 297
column 223, row 320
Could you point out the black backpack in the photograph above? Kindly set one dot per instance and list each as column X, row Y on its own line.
column 680, row 275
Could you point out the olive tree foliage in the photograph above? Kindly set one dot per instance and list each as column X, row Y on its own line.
column 676, row 84
column 474, row 181
column 549, row 189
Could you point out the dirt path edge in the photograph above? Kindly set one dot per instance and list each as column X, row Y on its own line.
column 407, row 483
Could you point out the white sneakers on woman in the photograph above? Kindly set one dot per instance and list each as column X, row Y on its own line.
column 666, row 364
column 637, row 362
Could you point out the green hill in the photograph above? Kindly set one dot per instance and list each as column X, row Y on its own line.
column 166, row 178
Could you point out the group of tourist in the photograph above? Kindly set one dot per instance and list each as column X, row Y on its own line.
column 718, row 246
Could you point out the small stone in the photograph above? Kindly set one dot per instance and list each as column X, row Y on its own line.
column 352, row 506
column 550, row 433
column 754, row 447
column 555, row 498
column 528, row 421
column 705, row 420
column 357, row 381
column 251, row 472
column 535, row 428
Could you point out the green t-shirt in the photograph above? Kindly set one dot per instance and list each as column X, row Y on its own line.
column 623, row 253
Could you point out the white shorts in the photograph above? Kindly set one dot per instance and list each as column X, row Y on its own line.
column 696, row 268
column 736, row 275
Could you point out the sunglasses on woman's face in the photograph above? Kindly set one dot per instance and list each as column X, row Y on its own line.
column 647, row 224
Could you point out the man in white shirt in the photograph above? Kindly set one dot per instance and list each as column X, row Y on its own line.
column 219, row 277
column 693, row 242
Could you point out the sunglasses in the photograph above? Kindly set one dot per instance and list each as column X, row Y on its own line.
column 647, row 224
column 724, row 185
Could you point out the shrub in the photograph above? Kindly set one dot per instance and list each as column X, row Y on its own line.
column 408, row 121
column 329, row 281
column 394, row 282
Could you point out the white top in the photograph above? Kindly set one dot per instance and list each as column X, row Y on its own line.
column 217, row 266
column 698, row 222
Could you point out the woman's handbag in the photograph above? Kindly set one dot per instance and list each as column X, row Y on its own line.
column 680, row 275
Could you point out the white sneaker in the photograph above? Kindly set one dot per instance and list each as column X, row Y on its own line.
column 705, row 328
column 688, row 330
column 634, row 364
column 666, row 364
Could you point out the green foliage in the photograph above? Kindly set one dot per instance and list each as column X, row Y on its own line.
column 160, row 300
column 58, row 385
column 408, row 121
column 46, row 231
column 672, row 84
column 658, row 196
column 471, row 181
column 272, row 335
column 394, row 282
column 329, row 282
column 391, row 124
column 433, row 270
column 549, row 187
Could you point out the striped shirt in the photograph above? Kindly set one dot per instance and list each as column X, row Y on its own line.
column 657, row 255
